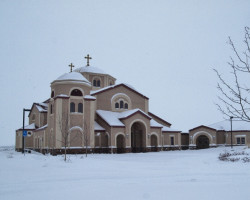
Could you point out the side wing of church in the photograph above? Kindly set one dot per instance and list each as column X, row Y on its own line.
column 88, row 111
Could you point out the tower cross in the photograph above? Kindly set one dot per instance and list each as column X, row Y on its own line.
column 88, row 58
column 71, row 66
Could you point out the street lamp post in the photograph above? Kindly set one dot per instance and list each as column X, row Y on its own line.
column 23, row 138
column 231, row 118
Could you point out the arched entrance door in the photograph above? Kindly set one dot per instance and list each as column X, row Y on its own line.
column 120, row 143
column 138, row 137
column 153, row 143
column 202, row 142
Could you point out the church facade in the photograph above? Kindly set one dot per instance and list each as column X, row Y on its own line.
column 88, row 111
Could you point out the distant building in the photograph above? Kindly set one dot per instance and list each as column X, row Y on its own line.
column 220, row 134
column 98, row 114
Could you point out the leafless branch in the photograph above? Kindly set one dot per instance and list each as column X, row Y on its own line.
column 235, row 97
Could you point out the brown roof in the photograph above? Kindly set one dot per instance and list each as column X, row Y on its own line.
column 115, row 86
column 153, row 115
column 202, row 126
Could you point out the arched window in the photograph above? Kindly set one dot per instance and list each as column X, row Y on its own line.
column 98, row 83
column 126, row 106
column 72, row 107
column 116, row 105
column 51, row 109
column 121, row 104
column 80, row 108
column 76, row 92
column 52, row 94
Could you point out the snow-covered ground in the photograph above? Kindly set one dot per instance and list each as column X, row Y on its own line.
column 190, row 174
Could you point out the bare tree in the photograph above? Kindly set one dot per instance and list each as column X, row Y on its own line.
column 65, row 131
column 235, row 97
column 67, row 138
column 85, row 135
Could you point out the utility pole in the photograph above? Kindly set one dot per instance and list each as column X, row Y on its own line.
column 231, row 118
column 23, row 138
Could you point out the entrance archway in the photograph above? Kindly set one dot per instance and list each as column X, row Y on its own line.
column 138, row 137
column 120, row 144
column 153, row 143
column 202, row 142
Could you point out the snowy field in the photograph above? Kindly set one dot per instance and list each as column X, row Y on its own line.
column 190, row 174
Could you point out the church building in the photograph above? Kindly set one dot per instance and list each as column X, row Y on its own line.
column 88, row 111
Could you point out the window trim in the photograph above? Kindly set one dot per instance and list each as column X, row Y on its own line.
column 240, row 138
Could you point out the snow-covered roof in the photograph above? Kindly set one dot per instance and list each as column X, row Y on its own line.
column 41, row 109
column 94, row 92
column 159, row 118
column 43, row 127
column 127, row 113
column 72, row 76
column 29, row 127
column 154, row 123
column 62, row 95
column 89, row 97
column 167, row 129
column 226, row 125
column 113, row 118
column 90, row 69
column 98, row 127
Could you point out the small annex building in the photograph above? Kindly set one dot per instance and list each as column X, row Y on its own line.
column 220, row 134
column 88, row 111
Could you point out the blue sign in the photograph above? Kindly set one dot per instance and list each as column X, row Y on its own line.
column 24, row 133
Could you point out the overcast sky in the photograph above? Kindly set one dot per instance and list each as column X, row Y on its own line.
column 165, row 49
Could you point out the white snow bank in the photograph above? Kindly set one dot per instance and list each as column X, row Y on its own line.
column 190, row 174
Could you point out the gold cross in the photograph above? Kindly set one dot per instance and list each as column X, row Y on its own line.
column 71, row 66
column 88, row 58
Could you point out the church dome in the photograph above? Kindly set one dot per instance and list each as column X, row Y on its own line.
column 72, row 76
column 90, row 69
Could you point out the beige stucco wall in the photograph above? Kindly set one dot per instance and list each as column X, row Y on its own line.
column 245, row 134
column 158, row 133
column 39, row 139
column 115, row 131
column 195, row 133
column 184, row 139
column 67, row 87
column 220, row 137
column 105, row 79
column 104, row 99
column 167, row 140
column 34, row 112
column 18, row 143
column 138, row 117
column 89, row 112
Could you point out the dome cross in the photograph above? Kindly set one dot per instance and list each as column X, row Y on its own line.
column 88, row 58
column 71, row 66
